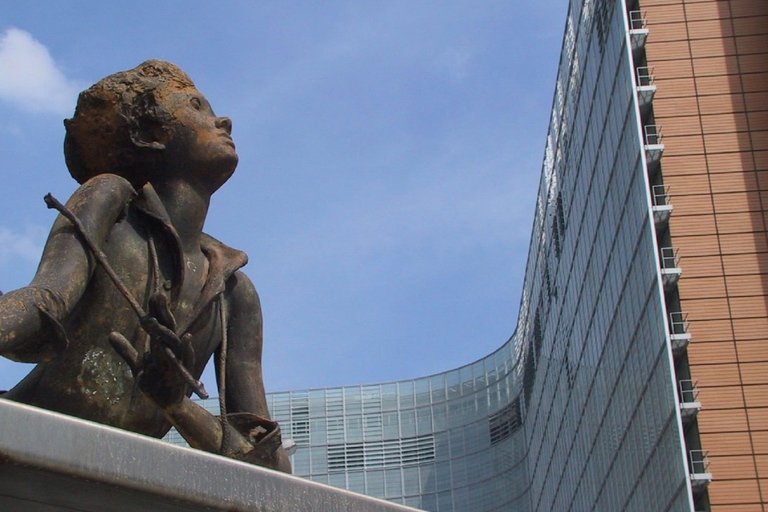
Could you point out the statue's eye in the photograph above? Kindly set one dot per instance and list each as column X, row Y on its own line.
column 196, row 103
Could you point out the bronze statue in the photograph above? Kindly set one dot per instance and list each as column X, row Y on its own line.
column 131, row 298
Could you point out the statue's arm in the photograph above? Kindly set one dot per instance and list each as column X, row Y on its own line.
column 65, row 268
column 200, row 428
column 250, row 435
column 244, row 379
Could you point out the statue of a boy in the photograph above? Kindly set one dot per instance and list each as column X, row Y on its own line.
column 149, row 152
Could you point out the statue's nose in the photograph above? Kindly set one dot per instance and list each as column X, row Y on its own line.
column 226, row 123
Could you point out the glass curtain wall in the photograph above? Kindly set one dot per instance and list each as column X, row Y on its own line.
column 601, row 419
column 447, row 442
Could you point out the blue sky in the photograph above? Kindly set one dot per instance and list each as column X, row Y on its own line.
column 390, row 154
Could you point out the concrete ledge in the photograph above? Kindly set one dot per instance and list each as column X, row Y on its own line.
column 50, row 463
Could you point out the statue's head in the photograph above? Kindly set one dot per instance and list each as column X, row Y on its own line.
column 123, row 122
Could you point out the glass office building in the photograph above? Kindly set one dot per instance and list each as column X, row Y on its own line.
column 452, row 441
column 593, row 403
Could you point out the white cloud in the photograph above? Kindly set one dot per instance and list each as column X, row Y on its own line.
column 29, row 77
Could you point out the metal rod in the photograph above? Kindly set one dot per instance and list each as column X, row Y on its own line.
column 148, row 323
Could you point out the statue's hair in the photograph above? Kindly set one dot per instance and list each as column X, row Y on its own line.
column 113, row 114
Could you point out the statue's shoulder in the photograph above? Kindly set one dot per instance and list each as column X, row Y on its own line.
column 110, row 186
column 101, row 199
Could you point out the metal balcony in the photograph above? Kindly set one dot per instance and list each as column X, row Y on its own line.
column 662, row 208
column 689, row 400
column 638, row 32
column 645, row 88
column 678, row 331
column 699, row 467
column 670, row 267
column 653, row 146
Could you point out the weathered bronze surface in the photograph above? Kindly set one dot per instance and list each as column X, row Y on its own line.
column 131, row 299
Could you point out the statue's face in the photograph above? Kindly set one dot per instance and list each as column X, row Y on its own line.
column 200, row 144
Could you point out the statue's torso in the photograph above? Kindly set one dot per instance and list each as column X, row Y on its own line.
column 90, row 380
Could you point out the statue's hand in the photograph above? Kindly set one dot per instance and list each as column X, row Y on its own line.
column 263, row 438
column 30, row 327
column 155, row 373
column 160, row 372
column 160, row 378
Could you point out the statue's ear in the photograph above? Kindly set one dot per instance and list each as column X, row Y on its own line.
column 145, row 126
column 147, row 133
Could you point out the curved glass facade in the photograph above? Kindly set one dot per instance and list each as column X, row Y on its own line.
column 451, row 441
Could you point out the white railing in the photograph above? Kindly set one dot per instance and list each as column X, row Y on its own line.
column 689, row 392
column 699, row 462
column 669, row 257
column 652, row 134
column 660, row 195
column 678, row 322
column 636, row 20
column 644, row 75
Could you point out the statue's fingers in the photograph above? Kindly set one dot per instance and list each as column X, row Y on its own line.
column 123, row 347
column 160, row 308
column 187, row 351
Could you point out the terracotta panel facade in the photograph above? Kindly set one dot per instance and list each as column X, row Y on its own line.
column 711, row 56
